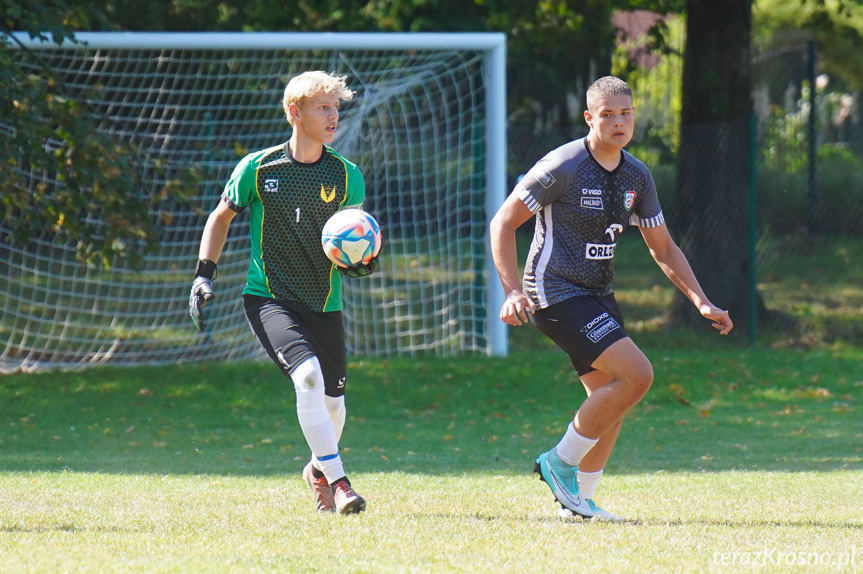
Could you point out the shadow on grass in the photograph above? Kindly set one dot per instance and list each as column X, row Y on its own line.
column 747, row 523
column 743, row 523
column 724, row 410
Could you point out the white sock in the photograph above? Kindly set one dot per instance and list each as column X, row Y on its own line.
column 314, row 419
column 336, row 408
column 587, row 482
column 338, row 413
column 572, row 447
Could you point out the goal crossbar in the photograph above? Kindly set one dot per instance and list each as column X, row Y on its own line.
column 282, row 40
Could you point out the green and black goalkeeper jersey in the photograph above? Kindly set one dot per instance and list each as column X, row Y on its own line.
column 289, row 203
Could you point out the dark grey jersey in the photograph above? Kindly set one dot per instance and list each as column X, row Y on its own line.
column 582, row 210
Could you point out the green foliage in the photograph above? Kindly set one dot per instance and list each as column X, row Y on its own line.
column 657, row 88
column 784, row 194
column 554, row 47
column 781, row 199
column 89, row 192
column 839, row 191
column 553, row 50
column 837, row 25
column 784, row 145
column 49, row 19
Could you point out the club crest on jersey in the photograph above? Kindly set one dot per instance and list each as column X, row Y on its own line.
column 628, row 199
column 328, row 193
column 271, row 185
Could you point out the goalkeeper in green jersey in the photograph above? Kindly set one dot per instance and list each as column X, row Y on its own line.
column 292, row 298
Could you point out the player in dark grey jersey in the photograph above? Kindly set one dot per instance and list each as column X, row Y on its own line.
column 583, row 196
column 292, row 299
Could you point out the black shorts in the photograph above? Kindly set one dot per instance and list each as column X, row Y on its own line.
column 291, row 334
column 583, row 326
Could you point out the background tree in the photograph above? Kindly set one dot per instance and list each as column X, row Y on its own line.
column 836, row 26
column 555, row 48
column 713, row 161
column 96, row 199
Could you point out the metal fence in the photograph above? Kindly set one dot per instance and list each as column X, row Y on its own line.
column 809, row 190
column 797, row 222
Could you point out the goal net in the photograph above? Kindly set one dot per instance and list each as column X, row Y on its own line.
column 426, row 127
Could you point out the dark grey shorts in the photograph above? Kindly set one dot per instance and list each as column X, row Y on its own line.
column 583, row 326
column 291, row 334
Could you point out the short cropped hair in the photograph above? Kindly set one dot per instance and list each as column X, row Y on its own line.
column 309, row 84
column 606, row 86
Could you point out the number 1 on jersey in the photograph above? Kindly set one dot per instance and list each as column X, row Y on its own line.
column 298, row 215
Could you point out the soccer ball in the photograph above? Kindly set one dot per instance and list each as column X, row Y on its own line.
column 351, row 237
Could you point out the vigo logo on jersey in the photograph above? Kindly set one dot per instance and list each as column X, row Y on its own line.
column 328, row 194
column 599, row 250
column 271, row 185
column 591, row 198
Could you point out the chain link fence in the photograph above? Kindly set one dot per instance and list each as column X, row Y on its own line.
column 809, row 191
column 796, row 237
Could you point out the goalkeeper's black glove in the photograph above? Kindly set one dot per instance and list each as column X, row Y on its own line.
column 202, row 291
column 361, row 269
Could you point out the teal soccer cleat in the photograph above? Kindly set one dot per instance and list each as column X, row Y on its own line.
column 561, row 479
column 599, row 515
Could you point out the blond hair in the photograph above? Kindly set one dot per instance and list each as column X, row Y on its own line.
column 309, row 84
column 606, row 86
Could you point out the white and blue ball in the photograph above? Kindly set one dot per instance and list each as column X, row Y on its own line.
column 350, row 237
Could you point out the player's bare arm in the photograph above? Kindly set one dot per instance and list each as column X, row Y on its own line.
column 216, row 232
column 212, row 242
column 511, row 215
column 676, row 267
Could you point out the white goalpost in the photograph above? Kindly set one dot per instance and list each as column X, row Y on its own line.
column 427, row 127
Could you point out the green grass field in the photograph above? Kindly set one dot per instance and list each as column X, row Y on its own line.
column 736, row 461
